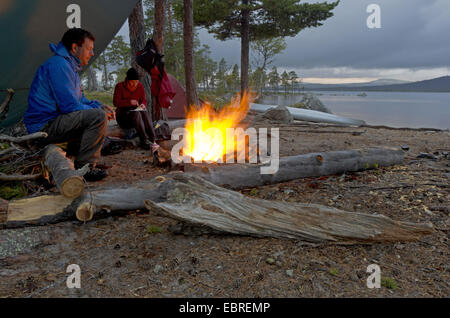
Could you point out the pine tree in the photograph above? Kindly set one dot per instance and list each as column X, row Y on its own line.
column 274, row 78
column 257, row 19
column 285, row 81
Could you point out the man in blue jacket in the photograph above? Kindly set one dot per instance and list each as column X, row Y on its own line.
column 57, row 105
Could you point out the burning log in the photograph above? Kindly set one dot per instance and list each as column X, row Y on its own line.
column 68, row 180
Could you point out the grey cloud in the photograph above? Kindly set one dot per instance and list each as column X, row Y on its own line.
column 414, row 34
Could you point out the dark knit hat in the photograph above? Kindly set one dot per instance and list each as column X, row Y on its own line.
column 132, row 74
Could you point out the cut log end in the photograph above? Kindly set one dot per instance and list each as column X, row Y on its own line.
column 72, row 187
column 85, row 212
column 67, row 179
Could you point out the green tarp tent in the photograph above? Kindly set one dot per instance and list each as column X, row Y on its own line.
column 28, row 26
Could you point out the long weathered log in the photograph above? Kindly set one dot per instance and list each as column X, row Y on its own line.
column 68, row 180
column 238, row 176
column 197, row 201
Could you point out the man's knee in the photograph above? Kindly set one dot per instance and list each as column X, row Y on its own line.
column 95, row 116
column 99, row 115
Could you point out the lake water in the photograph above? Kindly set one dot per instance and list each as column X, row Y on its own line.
column 394, row 109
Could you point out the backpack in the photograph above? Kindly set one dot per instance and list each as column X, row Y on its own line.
column 162, row 130
column 149, row 57
column 111, row 146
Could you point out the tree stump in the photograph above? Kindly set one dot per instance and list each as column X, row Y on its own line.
column 68, row 181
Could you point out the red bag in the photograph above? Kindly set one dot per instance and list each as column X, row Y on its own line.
column 162, row 88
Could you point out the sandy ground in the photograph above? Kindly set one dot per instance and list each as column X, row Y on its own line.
column 135, row 255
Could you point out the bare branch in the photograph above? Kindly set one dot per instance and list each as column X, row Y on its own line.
column 17, row 177
column 37, row 135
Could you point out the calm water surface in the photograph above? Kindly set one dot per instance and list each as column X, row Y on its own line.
column 395, row 109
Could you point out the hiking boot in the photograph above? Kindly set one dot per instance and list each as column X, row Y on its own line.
column 102, row 166
column 95, row 174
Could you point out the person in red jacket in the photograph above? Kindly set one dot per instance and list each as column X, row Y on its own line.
column 131, row 112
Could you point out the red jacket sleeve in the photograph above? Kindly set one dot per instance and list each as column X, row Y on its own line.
column 118, row 100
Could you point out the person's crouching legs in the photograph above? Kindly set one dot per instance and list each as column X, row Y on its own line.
column 94, row 122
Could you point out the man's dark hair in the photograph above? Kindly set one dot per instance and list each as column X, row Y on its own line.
column 76, row 36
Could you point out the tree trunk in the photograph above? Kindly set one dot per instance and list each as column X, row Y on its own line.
column 160, row 21
column 169, row 17
column 92, row 79
column 105, row 76
column 68, row 181
column 245, row 48
column 137, row 42
column 191, row 85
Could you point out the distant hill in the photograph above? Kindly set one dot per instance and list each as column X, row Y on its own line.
column 386, row 81
column 379, row 82
column 441, row 84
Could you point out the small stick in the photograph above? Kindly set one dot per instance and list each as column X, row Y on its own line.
column 24, row 138
column 17, row 177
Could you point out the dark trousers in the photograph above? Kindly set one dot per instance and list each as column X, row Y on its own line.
column 139, row 120
column 85, row 128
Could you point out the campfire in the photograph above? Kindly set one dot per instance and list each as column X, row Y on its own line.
column 218, row 135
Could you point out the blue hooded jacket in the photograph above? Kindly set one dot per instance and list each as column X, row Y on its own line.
column 56, row 90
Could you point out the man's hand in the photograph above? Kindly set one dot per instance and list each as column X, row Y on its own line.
column 109, row 112
column 142, row 107
column 134, row 102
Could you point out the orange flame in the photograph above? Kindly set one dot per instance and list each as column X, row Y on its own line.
column 208, row 129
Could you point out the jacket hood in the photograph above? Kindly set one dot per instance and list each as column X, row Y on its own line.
column 59, row 50
column 62, row 51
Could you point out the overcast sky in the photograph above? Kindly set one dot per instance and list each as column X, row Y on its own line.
column 412, row 44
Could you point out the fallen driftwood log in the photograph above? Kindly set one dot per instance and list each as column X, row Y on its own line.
column 196, row 201
column 228, row 211
column 312, row 115
column 68, row 180
column 237, row 176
